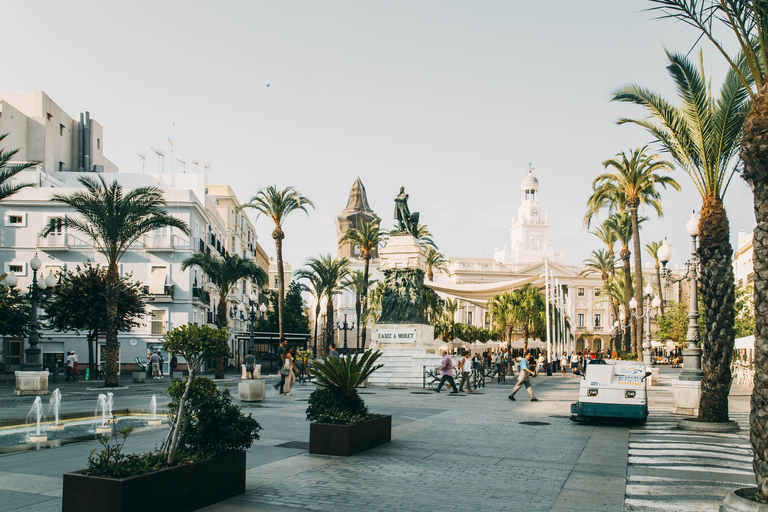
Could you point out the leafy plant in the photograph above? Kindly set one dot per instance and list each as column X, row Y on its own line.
column 111, row 462
column 213, row 424
column 338, row 401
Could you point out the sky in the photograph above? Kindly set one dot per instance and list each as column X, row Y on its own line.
column 451, row 99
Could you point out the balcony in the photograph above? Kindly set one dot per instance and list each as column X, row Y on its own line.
column 159, row 242
column 201, row 295
column 165, row 296
column 200, row 245
column 211, row 318
column 61, row 242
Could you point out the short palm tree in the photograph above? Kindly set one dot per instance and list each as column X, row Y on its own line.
column 277, row 205
column 528, row 311
column 652, row 248
column 357, row 282
column 604, row 264
column 621, row 225
column 637, row 177
column 435, row 261
column 315, row 288
column 9, row 170
column 330, row 273
column 367, row 239
column 424, row 237
column 500, row 310
column 224, row 273
column 703, row 135
column 114, row 220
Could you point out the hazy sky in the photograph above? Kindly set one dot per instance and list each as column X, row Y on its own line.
column 451, row 99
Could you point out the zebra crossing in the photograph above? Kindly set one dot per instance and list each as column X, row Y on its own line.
column 682, row 471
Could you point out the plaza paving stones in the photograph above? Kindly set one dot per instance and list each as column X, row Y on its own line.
column 477, row 451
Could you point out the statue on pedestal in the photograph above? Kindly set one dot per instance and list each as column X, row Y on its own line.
column 407, row 222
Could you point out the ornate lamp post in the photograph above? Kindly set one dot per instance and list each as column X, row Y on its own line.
column 344, row 326
column 32, row 360
column 649, row 308
column 691, row 355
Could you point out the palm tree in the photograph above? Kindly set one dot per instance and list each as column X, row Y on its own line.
column 528, row 311
column 652, row 248
column 113, row 221
column 357, row 282
column 435, row 261
column 277, row 205
column 8, row 171
column 224, row 273
column 636, row 177
column 621, row 225
column 330, row 273
column 315, row 289
column 702, row 135
column 500, row 309
column 604, row 264
column 367, row 239
column 424, row 237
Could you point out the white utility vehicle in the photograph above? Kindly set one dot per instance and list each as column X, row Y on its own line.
column 612, row 389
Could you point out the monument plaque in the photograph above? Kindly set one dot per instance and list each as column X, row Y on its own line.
column 396, row 335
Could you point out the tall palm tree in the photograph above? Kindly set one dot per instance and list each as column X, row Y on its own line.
column 652, row 248
column 224, row 273
column 608, row 237
column 315, row 289
column 604, row 264
column 277, row 205
column 529, row 311
column 702, row 135
column 357, row 282
column 637, row 178
column 367, row 238
column 435, row 261
column 747, row 20
column 331, row 273
column 9, row 170
column 500, row 309
column 113, row 220
column 621, row 225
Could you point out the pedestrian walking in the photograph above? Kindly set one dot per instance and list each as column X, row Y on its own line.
column 162, row 363
column 68, row 367
column 250, row 365
column 174, row 363
column 280, row 354
column 574, row 363
column 332, row 352
column 446, row 370
column 290, row 376
column 563, row 364
column 524, row 378
column 465, row 366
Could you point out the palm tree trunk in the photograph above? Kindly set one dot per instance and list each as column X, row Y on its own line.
column 221, row 323
column 358, row 309
column 317, row 319
column 329, row 323
column 753, row 153
column 111, row 347
column 717, row 290
column 638, row 270
column 278, row 236
column 365, row 301
column 93, row 335
column 627, row 294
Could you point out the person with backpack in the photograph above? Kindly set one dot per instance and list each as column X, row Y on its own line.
column 465, row 366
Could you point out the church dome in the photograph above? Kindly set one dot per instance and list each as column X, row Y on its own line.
column 529, row 181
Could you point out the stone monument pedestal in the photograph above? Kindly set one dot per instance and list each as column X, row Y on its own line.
column 686, row 395
column 31, row 383
column 654, row 378
column 405, row 350
column 251, row 390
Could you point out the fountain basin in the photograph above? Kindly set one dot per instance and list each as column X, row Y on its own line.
column 55, row 427
column 35, row 438
column 154, row 423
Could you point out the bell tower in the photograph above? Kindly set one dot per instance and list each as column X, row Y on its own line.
column 356, row 211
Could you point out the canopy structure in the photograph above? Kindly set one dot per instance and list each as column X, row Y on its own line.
column 537, row 343
column 745, row 343
column 480, row 294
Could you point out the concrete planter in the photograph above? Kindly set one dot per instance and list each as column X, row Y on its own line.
column 345, row 440
column 743, row 500
column 195, row 485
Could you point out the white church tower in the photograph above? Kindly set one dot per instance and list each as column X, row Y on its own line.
column 530, row 231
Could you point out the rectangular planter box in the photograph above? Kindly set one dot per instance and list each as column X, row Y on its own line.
column 345, row 440
column 192, row 486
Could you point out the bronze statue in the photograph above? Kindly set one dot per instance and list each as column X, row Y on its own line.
column 406, row 222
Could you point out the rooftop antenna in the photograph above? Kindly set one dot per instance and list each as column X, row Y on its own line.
column 530, row 167
column 169, row 140
column 161, row 159
column 143, row 162
column 184, row 165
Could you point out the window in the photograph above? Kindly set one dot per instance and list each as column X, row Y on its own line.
column 580, row 320
column 16, row 268
column 276, row 283
column 597, row 292
column 61, row 129
column 15, row 219
column 598, row 325
column 157, row 280
column 158, row 322
column 49, row 115
column 469, row 317
column 61, row 166
column 98, row 143
column 580, row 292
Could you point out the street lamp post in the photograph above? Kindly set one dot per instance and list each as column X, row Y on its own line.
column 649, row 307
column 692, row 354
column 32, row 360
column 345, row 327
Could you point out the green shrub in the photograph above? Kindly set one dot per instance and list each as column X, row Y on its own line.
column 627, row 356
column 111, row 462
column 329, row 405
column 214, row 425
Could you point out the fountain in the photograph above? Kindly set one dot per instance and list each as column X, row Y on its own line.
column 153, row 421
column 37, row 410
column 55, row 403
column 105, row 404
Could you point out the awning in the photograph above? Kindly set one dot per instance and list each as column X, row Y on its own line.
column 537, row 343
column 480, row 294
column 745, row 343
column 157, row 280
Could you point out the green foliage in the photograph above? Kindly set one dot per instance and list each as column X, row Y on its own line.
column 9, row 170
column 196, row 343
column 338, row 401
column 111, row 462
column 14, row 312
column 745, row 312
column 296, row 320
column 627, row 356
column 673, row 324
column 213, row 424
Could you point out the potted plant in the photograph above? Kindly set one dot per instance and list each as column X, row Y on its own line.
column 202, row 459
column 341, row 423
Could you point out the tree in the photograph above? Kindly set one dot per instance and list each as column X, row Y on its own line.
column 528, row 312
column 367, row 239
column 78, row 303
column 14, row 312
column 114, row 220
column 652, row 248
column 357, row 283
column 195, row 344
column 702, row 135
column 636, row 178
column 277, row 205
column 673, row 323
column 621, row 225
column 224, row 273
column 424, row 237
column 315, row 289
column 603, row 263
column 435, row 261
column 296, row 320
column 8, row 171
column 331, row 272
column 745, row 312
